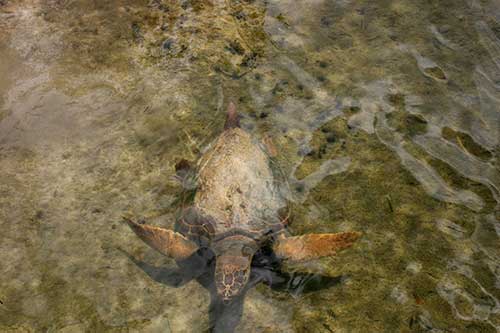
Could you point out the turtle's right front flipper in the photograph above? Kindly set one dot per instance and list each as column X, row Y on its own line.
column 167, row 242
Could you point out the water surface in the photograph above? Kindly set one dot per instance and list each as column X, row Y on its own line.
column 384, row 114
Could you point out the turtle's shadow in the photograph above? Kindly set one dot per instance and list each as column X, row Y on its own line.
column 266, row 268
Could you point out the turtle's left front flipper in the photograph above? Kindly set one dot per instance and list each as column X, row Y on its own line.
column 313, row 246
column 167, row 242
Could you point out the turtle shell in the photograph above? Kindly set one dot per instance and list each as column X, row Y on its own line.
column 237, row 188
column 196, row 226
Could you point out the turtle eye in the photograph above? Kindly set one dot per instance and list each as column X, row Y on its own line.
column 247, row 251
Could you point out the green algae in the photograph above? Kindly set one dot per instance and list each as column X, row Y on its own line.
column 173, row 66
column 468, row 144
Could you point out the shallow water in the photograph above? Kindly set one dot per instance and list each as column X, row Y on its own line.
column 385, row 116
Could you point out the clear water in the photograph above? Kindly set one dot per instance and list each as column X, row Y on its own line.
column 384, row 114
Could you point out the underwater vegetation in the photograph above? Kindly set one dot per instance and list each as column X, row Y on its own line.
column 383, row 117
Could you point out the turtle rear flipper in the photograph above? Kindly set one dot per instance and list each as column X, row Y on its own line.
column 313, row 246
column 167, row 242
column 185, row 174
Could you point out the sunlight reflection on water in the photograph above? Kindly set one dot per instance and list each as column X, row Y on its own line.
column 384, row 122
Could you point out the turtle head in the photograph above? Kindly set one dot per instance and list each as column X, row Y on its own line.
column 232, row 266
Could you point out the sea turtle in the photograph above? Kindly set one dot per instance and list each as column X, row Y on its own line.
column 236, row 210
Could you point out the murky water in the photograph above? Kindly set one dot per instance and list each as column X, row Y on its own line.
column 385, row 116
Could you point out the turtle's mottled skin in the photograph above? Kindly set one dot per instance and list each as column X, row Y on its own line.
column 235, row 211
